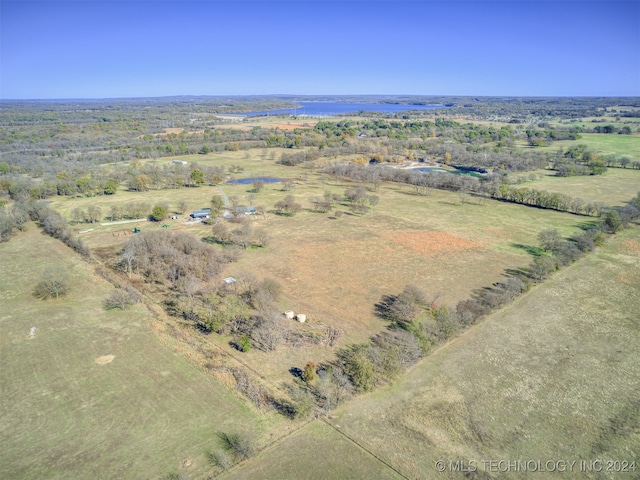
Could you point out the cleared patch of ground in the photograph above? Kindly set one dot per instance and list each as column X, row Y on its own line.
column 105, row 359
column 433, row 243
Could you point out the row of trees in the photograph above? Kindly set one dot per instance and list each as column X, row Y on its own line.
column 543, row 199
column 21, row 212
column 489, row 185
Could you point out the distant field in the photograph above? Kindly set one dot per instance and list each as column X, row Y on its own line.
column 553, row 376
column 95, row 394
column 282, row 122
column 605, row 144
column 616, row 187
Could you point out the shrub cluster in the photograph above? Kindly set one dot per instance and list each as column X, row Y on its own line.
column 296, row 158
column 162, row 256
column 121, row 298
column 244, row 236
column 234, row 447
column 54, row 283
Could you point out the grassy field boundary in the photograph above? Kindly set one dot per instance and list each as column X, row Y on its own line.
column 370, row 452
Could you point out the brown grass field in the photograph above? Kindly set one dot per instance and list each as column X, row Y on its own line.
column 280, row 122
column 551, row 377
column 336, row 270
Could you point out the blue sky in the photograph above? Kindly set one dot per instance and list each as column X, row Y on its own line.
column 106, row 49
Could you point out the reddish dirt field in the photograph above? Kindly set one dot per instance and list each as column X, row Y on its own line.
column 282, row 126
column 176, row 130
column 432, row 243
column 630, row 247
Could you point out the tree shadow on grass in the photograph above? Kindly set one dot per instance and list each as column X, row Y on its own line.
column 382, row 309
column 518, row 272
column 530, row 249
column 588, row 225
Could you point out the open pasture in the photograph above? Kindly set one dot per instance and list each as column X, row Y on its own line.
column 336, row 269
column 316, row 452
column 616, row 187
column 552, row 376
column 95, row 393
column 605, row 144
column 283, row 122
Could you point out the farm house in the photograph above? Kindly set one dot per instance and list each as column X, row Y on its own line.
column 203, row 213
column 245, row 211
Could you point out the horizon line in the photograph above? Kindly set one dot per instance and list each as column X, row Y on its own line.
column 382, row 95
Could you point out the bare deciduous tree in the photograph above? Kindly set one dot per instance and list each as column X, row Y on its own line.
column 54, row 283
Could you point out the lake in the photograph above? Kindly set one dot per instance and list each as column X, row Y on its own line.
column 325, row 109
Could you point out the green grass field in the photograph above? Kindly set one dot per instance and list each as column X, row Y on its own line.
column 95, row 393
column 614, row 188
column 605, row 144
column 316, row 452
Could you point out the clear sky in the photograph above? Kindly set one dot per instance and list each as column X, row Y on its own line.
column 104, row 49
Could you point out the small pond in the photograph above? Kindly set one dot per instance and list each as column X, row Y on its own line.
column 453, row 172
column 240, row 181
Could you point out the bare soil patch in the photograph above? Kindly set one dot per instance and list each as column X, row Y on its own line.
column 104, row 359
column 630, row 247
column 284, row 126
column 433, row 243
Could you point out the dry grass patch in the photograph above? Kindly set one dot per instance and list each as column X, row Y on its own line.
column 105, row 359
column 433, row 243
column 316, row 452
